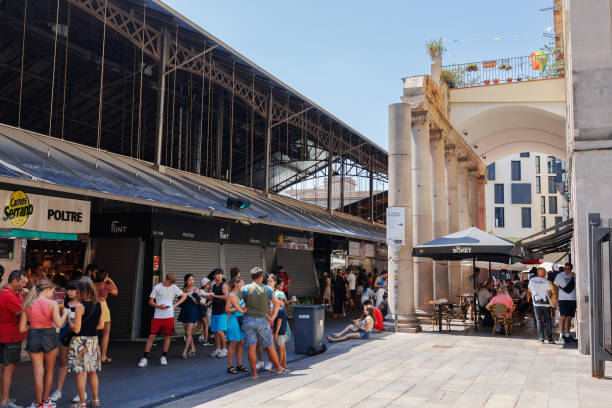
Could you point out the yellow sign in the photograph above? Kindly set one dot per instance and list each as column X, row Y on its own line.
column 18, row 209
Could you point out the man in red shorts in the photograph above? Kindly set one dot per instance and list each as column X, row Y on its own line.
column 162, row 298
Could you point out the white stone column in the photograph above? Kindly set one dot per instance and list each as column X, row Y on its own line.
column 474, row 193
column 482, row 205
column 422, row 219
column 400, row 195
column 452, row 211
column 464, row 213
column 440, row 221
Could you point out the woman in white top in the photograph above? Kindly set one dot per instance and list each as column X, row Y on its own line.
column 357, row 330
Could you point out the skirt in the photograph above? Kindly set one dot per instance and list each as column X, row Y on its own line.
column 84, row 355
column 105, row 311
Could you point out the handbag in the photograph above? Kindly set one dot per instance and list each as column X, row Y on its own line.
column 571, row 285
column 65, row 335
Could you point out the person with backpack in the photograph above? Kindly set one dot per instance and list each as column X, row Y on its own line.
column 565, row 295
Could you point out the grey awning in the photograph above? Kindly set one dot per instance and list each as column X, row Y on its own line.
column 35, row 160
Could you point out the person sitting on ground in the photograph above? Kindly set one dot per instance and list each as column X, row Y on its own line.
column 503, row 298
column 378, row 316
column 357, row 330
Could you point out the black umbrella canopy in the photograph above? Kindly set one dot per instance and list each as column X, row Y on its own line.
column 471, row 243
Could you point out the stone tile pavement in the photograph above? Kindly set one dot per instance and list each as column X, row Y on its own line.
column 423, row 370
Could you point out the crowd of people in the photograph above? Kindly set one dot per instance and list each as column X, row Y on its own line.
column 73, row 319
column 544, row 293
column 237, row 315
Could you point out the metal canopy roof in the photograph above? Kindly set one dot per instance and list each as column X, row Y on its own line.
column 555, row 239
column 35, row 160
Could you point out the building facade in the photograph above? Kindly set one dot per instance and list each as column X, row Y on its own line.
column 524, row 194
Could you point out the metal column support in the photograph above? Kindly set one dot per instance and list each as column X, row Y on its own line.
column 330, row 160
column 371, row 194
column 160, row 95
column 342, row 172
column 220, row 114
column 268, row 143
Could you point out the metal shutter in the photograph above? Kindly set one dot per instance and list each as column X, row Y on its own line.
column 300, row 267
column 182, row 257
column 120, row 258
column 245, row 257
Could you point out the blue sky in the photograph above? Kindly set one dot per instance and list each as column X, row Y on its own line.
column 349, row 55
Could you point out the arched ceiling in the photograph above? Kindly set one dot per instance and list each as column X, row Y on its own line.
column 503, row 130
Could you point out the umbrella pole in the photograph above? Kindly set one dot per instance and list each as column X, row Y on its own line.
column 475, row 292
column 489, row 269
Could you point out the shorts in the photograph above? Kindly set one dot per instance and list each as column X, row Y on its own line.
column 364, row 335
column 281, row 339
column 10, row 353
column 42, row 340
column 163, row 326
column 105, row 312
column 353, row 293
column 257, row 328
column 218, row 323
column 567, row 308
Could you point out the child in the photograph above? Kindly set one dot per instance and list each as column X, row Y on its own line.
column 280, row 337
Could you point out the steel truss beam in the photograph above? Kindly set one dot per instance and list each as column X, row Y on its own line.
column 181, row 56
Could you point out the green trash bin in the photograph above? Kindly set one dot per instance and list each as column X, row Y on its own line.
column 308, row 328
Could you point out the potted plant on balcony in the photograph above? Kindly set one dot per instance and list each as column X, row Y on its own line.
column 471, row 68
column 487, row 82
column 496, row 80
column 452, row 78
column 435, row 48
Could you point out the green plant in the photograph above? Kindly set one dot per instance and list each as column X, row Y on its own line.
column 453, row 78
column 555, row 65
column 471, row 67
column 505, row 67
column 435, row 48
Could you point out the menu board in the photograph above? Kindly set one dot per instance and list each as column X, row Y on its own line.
column 7, row 248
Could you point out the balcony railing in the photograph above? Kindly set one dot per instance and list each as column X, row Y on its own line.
column 517, row 69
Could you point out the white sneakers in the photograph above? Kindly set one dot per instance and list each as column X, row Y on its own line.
column 219, row 353
column 144, row 362
column 77, row 399
column 268, row 366
column 56, row 396
column 259, row 365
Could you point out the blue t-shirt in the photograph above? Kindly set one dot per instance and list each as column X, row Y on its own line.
column 281, row 318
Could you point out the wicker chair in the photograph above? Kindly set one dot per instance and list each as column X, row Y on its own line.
column 498, row 312
column 458, row 312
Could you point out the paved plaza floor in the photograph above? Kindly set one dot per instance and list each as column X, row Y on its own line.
column 423, row 370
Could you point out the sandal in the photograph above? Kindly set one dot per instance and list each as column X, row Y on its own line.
column 242, row 368
column 232, row 370
column 93, row 403
column 108, row 360
column 184, row 355
column 191, row 353
column 78, row 405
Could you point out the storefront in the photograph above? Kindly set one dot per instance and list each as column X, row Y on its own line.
column 44, row 230
column 361, row 255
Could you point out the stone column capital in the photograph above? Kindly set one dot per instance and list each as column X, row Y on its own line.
column 450, row 149
column 436, row 134
column 420, row 117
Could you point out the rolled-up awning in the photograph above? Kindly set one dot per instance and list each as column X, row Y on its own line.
column 34, row 160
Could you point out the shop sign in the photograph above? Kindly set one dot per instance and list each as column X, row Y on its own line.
column 43, row 213
column 225, row 232
column 361, row 249
column 354, row 247
column 156, row 263
column 294, row 241
column 382, row 252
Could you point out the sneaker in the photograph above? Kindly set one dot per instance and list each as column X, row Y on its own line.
column 550, row 341
column 163, row 361
column 49, row 404
column 542, row 341
column 56, row 396
column 215, row 353
column 222, row 353
column 77, row 399
column 259, row 365
column 202, row 339
column 268, row 366
column 142, row 364
column 11, row 404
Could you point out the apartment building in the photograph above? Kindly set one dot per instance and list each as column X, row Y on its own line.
column 524, row 194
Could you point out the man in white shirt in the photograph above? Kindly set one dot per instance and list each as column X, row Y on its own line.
column 540, row 293
column 565, row 295
column 162, row 298
column 484, row 295
column 351, row 279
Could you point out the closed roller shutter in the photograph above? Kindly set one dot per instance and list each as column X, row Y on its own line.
column 120, row 258
column 245, row 257
column 300, row 267
column 182, row 257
